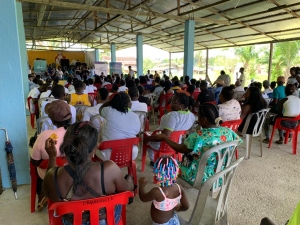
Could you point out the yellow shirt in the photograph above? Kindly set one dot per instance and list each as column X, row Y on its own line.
column 76, row 99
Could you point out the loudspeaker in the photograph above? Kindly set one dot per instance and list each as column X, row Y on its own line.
column 64, row 63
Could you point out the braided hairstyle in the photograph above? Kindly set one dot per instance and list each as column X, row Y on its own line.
column 120, row 102
column 182, row 99
column 79, row 141
column 210, row 112
column 165, row 170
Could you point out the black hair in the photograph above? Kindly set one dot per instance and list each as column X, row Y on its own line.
column 70, row 79
column 118, row 79
column 167, row 78
column 79, row 141
column 258, row 85
column 227, row 93
column 210, row 112
column 78, row 84
column 168, row 85
column 86, row 82
column 130, row 83
column 191, row 89
column 203, row 83
column 115, row 88
column 91, row 81
column 162, row 83
column 193, row 81
column 136, row 81
column 186, row 79
column 84, row 77
column 232, row 86
column 97, row 80
column 122, row 82
column 157, row 80
column 133, row 92
column 103, row 93
column 58, row 91
column 256, row 100
column 120, row 102
column 182, row 98
column 176, row 83
column 289, row 89
column 266, row 84
column 141, row 89
column 198, row 84
column 143, row 80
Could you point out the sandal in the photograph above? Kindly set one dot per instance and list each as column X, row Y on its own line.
column 279, row 142
column 266, row 140
column 42, row 204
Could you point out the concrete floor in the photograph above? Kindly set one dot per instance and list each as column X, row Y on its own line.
column 267, row 186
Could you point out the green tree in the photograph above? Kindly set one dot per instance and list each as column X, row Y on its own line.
column 247, row 54
column 148, row 64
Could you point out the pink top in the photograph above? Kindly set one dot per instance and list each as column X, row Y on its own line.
column 38, row 150
column 168, row 203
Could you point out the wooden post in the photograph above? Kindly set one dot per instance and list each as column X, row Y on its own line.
column 270, row 62
column 170, row 64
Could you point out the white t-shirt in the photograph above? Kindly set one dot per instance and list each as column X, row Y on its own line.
column 119, row 125
column 291, row 107
column 105, row 83
column 46, row 94
column 73, row 110
column 239, row 88
column 91, row 88
column 175, row 121
column 139, row 106
column 266, row 92
column 158, row 90
column 122, row 88
column 34, row 93
column 131, row 73
column 230, row 110
column 91, row 111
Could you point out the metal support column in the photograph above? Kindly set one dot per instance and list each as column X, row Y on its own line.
column 139, row 55
column 113, row 57
column 189, row 32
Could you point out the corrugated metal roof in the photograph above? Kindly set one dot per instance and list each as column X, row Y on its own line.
column 162, row 22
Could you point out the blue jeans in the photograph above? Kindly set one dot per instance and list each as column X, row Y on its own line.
column 173, row 221
column 118, row 214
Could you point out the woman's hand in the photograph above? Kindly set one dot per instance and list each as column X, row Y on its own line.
column 142, row 182
column 50, row 147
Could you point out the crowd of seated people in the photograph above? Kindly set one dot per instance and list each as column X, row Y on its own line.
column 118, row 97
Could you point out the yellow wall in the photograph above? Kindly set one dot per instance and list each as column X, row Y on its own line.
column 49, row 56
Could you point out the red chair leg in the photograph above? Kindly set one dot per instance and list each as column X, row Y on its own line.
column 286, row 138
column 144, row 155
column 147, row 128
column 32, row 120
column 271, row 139
column 236, row 153
column 33, row 177
column 294, row 142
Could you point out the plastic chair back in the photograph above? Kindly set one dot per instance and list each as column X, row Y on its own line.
column 224, row 152
column 232, row 124
column 121, row 150
column 44, row 123
column 212, row 195
column 80, row 109
column 57, row 209
column 176, row 137
column 165, row 99
column 261, row 116
column 108, row 87
column 93, row 96
column 268, row 100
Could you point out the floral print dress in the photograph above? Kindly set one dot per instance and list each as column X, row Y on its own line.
column 199, row 142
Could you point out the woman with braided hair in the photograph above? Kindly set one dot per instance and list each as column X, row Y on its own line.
column 82, row 178
column 200, row 141
column 121, row 122
column 168, row 197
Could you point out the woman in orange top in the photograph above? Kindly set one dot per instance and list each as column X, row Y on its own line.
column 79, row 98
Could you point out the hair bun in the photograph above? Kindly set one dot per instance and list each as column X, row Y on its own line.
column 218, row 121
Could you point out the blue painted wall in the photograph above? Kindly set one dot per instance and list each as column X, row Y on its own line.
column 113, row 52
column 189, row 32
column 13, row 91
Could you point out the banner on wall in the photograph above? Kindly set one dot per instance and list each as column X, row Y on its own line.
column 115, row 67
column 101, row 67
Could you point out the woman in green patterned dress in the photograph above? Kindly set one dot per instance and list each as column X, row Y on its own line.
column 200, row 141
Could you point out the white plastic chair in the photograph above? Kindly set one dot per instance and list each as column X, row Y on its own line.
column 44, row 123
column 268, row 100
column 261, row 116
column 208, row 205
column 143, row 118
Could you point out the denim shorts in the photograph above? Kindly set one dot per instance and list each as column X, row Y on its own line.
column 173, row 221
column 118, row 214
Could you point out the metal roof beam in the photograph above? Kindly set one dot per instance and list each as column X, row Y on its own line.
column 289, row 11
column 41, row 14
column 121, row 11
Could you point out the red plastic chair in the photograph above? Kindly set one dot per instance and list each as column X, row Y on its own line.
column 57, row 209
column 212, row 102
column 166, row 98
column 108, row 87
column 121, row 154
column 293, row 131
column 233, row 125
column 93, row 96
column 60, row 161
column 164, row 148
column 195, row 95
column 32, row 115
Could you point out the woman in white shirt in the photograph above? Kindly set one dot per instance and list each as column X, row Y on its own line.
column 229, row 109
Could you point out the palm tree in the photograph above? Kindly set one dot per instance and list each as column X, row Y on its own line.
column 247, row 54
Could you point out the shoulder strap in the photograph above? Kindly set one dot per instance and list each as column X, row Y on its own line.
column 56, row 184
column 162, row 192
column 50, row 94
column 178, row 188
column 102, row 179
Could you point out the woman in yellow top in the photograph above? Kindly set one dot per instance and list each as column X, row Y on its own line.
column 79, row 98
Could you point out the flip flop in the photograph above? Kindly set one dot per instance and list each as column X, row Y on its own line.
column 279, row 142
column 266, row 141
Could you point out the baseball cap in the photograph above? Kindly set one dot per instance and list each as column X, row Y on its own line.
column 58, row 111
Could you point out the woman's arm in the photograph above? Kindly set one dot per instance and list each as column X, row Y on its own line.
column 246, row 109
column 149, row 196
column 177, row 147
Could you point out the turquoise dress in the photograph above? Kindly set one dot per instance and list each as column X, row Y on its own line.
column 199, row 142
